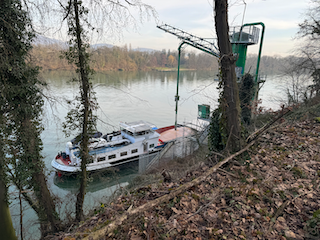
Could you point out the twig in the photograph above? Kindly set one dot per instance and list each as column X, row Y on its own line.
column 70, row 227
column 203, row 207
column 283, row 206
column 234, row 162
column 254, row 136
column 228, row 173
column 219, row 154
column 302, row 194
column 278, row 213
column 156, row 231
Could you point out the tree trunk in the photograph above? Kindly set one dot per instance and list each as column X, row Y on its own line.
column 46, row 202
column 6, row 227
column 85, row 101
column 46, row 206
column 230, row 103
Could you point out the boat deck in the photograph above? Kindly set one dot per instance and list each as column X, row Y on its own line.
column 63, row 161
column 173, row 134
column 100, row 150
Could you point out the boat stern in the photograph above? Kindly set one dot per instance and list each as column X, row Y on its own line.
column 63, row 165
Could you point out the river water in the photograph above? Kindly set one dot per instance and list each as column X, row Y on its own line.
column 122, row 96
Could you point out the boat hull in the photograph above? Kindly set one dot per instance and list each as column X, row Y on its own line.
column 134, row 140
column 63, row 169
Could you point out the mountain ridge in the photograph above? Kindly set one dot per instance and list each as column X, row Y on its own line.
column 42, row 40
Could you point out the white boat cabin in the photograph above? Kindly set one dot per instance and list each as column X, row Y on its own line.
column 133, row 139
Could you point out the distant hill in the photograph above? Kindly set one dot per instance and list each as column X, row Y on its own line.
column 100, row 45
column 107, row 57
column 42, row 40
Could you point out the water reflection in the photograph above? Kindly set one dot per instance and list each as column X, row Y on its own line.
column 113, row 177
column 64, row 78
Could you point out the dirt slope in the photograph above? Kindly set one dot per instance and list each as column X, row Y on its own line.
column 270, row 192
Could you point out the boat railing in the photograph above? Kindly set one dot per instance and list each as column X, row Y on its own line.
column 184, row 145
column 155, row 161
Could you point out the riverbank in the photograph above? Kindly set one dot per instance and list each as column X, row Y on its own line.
column 162, row 69
column 269, row 192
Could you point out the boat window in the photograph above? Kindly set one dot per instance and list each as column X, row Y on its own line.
column 123, row 154
column 151, row 145
column 101, row 159
column 134, row 150
column 112, row 156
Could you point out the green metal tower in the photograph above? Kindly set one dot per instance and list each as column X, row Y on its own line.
column 241, row 38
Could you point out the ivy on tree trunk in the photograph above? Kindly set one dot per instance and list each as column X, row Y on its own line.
column 80, row 118
column 21, row 107
column 229, row 101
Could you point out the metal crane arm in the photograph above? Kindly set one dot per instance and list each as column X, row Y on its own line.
column 192, row 40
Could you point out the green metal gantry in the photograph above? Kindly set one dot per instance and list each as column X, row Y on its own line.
column 247, row 35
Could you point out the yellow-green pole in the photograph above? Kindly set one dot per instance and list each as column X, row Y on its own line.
column 177, row 93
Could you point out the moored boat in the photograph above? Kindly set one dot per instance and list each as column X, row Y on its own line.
column 126, row 145
column 112, row 149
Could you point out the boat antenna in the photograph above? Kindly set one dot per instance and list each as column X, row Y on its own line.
column 244, row 11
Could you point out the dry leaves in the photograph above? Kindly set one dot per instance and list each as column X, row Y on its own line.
column 275, row 193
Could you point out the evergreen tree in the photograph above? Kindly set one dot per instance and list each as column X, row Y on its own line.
column 21, row 109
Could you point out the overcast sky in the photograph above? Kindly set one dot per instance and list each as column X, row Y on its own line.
column 281, row 18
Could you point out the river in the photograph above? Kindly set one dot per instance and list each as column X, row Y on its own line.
column 122, row 96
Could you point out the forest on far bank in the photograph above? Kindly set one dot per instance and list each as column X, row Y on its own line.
column 48, row 57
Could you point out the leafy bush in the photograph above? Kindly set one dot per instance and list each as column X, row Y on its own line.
column 313, row 225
